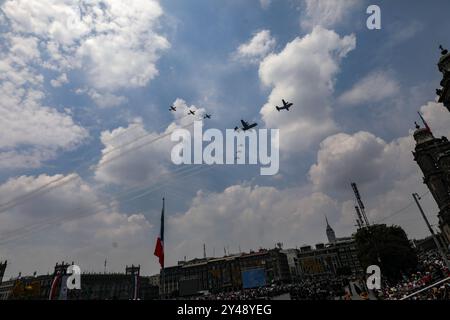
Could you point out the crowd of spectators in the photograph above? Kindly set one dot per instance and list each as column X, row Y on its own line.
column 307, row 289
column 431, row 269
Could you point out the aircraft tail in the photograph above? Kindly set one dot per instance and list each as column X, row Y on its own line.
column 236, row 128
column 278, row 108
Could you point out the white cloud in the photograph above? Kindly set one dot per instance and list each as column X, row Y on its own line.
column 386, row 174
column 261, row 44
column 140, row 165
column 362, row 156
column 114, row 43
column 304, row 73
column 26, row 121
column 374, row 87
column 136, row 166
column 59, row 81
column 84, row 223
column 18, row 159
column 106, row 99
column 437, row 117
column 265, row 4
column 250, row 217
column 400, row 32
column 327, row 13
column 24, row 50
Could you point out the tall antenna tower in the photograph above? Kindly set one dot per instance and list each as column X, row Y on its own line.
column 365, row 222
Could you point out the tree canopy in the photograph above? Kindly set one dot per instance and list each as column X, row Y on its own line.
column 387, row 247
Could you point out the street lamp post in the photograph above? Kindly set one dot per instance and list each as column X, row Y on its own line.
column 443, row 255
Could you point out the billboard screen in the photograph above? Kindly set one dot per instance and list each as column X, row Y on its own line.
column 253, row 278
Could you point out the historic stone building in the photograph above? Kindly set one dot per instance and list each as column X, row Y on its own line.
column 94, row 286
column 433, row 157
column 337, row 257
column 222, row 274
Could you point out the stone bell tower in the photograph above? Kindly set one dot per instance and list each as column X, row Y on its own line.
column 433, row 157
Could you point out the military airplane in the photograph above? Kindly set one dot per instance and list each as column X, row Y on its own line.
column 246, row 126
column 172, row 108
column 192, row 112
column 286, row 106
column 207, row 116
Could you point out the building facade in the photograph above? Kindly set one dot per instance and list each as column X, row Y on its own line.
column 94, row 286
column 338, row 257
column 26, row 288
column 223, row 274
column 331, row 259
column 321, row 261
column 292, row 259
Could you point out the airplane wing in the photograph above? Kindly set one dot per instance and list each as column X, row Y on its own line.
column 245, row 124
column 284, row 102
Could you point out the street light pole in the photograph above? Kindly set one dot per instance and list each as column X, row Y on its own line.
column 443, row 255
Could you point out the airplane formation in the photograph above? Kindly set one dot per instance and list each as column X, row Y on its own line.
column 245, row 125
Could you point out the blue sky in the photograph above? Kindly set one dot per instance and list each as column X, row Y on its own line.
column 351, row 121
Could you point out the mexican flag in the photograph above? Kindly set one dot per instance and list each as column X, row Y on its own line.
column 159, row 249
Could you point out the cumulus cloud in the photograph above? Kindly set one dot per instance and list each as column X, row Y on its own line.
column 132, row 165
column 261, row 44
column 250, row 217
column 18, row 159
column 385, row 172
column 374, row 87
column 136, row 166
column 106, row 99
column 304, row 73
column 78, row 216
column 437, row 117
column 114, row 43
column 31, row 131
column 59, row 81
column 326, row 13
column 342, row 158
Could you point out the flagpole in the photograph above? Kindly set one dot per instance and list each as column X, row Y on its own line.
column 164, row 260
column 159, row 252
